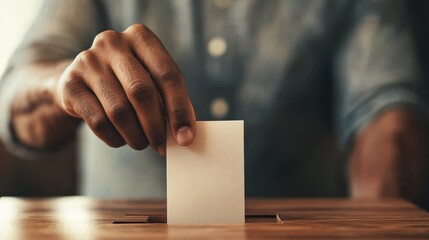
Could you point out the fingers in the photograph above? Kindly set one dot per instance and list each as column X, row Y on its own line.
column 90, row 110
column 168, row 79
column 143, row 95
column 116, row 106
column 90, row 91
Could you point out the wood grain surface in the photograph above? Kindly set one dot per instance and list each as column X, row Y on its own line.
column 83, row 218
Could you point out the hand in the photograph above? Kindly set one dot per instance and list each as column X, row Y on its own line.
column 127, row 88
column 389, row 157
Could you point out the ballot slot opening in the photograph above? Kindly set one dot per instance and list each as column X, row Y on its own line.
column 141, row 219
column 159, row 219
column 261, row 218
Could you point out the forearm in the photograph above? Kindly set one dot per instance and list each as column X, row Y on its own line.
column 37, row 120
column 389, row 157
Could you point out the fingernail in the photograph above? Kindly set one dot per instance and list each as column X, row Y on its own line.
column 184, row 136
column 161, row 149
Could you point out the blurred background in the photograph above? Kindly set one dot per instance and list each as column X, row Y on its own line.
column 59, row 177
column 22, row 177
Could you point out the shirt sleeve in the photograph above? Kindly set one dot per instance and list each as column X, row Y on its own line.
column 60, row 31
column 376, row 68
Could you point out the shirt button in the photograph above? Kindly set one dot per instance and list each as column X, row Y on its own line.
column 219, row 108
column 216, row 47
column 222, row 4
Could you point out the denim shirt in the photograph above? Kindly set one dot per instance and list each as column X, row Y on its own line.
column 304, row 75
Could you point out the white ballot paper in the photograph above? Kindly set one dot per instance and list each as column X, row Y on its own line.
column 205, row 181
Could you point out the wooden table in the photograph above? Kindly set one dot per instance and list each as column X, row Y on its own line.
column 83, row 218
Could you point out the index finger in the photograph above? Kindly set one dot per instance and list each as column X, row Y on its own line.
column 168, row 79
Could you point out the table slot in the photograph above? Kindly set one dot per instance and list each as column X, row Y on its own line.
column 141, row 219
column 261, row 218
column 150, row 219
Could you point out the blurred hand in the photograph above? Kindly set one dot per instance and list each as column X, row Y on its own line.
column 126, row 87
column 389, row 158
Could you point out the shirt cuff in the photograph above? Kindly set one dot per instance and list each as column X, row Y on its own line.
column 366, row 111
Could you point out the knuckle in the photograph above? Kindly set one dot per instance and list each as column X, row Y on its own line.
column 142, row 36
column 119, row 112
column 106, row 38
column 72, row 84
column 167, row 75
column 138, row 29
column 179, row 110
column 141, row 91
column 98, row 123
column 85, row 58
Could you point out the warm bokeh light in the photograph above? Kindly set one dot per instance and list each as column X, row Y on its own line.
column 10, row 213
column 74, row 218
column 15, row 19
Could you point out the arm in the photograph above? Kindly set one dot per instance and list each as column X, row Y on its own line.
column 36, row 120
column 389, row 157
column 382, row 104
column 29, row 119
